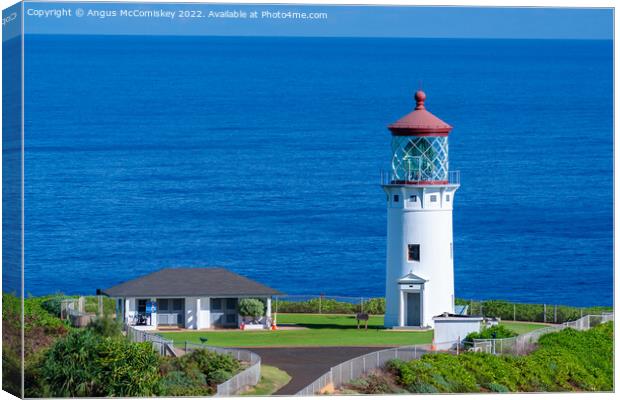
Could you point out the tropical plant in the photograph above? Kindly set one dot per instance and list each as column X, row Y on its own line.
column 85, row 364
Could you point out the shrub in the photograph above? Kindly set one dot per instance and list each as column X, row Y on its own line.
column 212, row 364
column 105, row 326
column 52, row 304
column 251, row 308
column 564, row 361
column 201, row 366
column 178, row 383
column 374, row 384
column 493, row 332
column 84, row 364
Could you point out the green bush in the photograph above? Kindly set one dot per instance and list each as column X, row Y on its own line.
column 493, row 332
column 205, row 368
column 178, row 383
column 373, row 384
column 105, row 326
column 84, row 364
column 212, row 364
column 251, row 308
column 52, row 304
column 568, row 360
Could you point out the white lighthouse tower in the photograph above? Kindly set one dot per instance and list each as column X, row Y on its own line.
column 420, row 192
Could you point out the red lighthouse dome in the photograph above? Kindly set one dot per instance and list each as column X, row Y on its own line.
column 420, row 147
column 420, row 122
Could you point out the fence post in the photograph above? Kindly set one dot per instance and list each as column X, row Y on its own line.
column 544, row 312
column 320, row 297
column 186, row 346
column 514, row 312
column 555, row 314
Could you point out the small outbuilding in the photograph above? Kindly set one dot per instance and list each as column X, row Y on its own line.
column 190, row 298
column 453, row 328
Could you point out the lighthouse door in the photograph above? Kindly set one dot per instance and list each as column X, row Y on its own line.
column 413, row 309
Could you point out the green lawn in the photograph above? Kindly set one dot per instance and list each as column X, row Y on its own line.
column 323, row 330
column 522, row 327
column 271, row 379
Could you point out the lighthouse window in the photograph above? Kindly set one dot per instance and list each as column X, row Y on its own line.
column 433, row 198
column 413, row 198
column 413, row 252
column 395, row 198
column 447, row 197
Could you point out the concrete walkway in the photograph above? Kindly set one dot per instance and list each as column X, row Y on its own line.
column 306, row 364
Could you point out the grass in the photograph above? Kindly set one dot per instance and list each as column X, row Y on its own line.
column 323, row 330
column 271, row 380
column 522, row 327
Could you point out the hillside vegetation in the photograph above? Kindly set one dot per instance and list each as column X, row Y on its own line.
column 568, row 360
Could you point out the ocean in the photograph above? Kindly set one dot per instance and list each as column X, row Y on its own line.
column 263, row 155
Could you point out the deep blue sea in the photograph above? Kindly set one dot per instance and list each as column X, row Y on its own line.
column 263, row 155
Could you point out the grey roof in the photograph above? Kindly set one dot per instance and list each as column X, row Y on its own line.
column 190, row 282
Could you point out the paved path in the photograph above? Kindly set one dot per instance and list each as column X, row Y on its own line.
column 306, row 364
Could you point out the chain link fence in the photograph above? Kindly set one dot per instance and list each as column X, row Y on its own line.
column 526, row 342
column 359, row 366
column 546, row 313
column 321, row 304
column 164, row 347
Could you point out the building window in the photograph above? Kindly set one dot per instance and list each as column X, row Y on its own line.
column 433, row 198
column 413, row 252
column 177, row 304
column 396, row 198
column 216, row 304
column 231, row 304
column 447, row 197
column 413, row 198
column 142, row 305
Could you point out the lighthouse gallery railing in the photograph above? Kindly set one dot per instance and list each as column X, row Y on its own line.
column 415, row 177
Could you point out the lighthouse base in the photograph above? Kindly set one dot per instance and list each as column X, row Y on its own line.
column 409, row 307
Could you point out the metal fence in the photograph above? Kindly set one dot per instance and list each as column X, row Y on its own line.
column 162, row 346
column 241, row 381
column 362, row 365
column 359, row 366
column 534, row 312
column 525, row 343
column 322, row 304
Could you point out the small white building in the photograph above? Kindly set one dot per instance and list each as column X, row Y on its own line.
column 190, row 298
column 451, row 328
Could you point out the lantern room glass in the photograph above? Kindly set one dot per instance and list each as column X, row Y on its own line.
column 420, row 158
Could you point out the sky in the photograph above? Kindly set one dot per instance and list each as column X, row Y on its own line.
column 356, row 21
